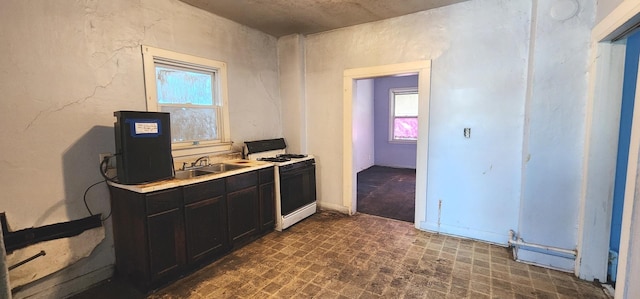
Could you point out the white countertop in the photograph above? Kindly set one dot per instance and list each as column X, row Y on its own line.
column 172, row 183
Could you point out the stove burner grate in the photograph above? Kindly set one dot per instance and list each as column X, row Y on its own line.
column 291, row 156
column 275, row 159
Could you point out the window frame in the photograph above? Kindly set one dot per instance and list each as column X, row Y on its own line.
column 392, row 116
column 153, row 57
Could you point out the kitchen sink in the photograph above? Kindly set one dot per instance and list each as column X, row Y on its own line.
column 192, row 173
column 205, row 170
column 222, row 167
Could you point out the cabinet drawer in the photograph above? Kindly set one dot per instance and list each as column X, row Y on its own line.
column 204, row 190
column 266, row 175
column 163, row 201
column 241, row 181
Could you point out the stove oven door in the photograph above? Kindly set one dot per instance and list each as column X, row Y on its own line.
column 297, row 186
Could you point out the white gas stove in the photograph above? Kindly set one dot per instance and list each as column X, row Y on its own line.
column 295, row 180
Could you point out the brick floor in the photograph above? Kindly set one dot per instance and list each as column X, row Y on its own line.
column 334, row 256
column 331, row 255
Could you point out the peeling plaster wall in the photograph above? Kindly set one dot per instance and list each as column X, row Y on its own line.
column 484, row 78
column 67, row 65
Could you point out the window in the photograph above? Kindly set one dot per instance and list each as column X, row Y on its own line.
column 193, row 90
column 403, row 121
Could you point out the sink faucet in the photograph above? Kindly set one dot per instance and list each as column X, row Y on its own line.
column 199, row 161
column 202, row 161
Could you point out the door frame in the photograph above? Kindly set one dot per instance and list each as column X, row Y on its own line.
column 423, row 69
column 602, row 119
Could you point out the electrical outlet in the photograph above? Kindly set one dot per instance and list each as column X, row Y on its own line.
column 467, row 132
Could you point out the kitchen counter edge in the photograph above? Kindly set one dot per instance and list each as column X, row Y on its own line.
column 173, row 183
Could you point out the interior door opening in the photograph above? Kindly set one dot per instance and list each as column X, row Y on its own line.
column 385, row 132
column 353, row 158
column 632, row 59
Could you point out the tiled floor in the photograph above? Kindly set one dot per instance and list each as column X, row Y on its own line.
column 335, row 256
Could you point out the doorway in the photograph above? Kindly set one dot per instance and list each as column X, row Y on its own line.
column 624, row 138
column 603, row 112
column 385, row 134
column 351, row 76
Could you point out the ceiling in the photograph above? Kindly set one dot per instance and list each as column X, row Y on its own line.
column 284, row 17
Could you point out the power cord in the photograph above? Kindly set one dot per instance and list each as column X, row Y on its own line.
column 84, row 198
column 104, row 167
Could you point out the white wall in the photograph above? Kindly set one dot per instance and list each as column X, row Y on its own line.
column 479, row 51
column 482, row 78
column 291, row 71
column 554, row 135
column 363, row 125
column 67, row 65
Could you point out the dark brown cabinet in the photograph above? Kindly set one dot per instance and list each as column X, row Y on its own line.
column 148, row 234
column 243, row 216
column 243, row 207
column 162, row 235
column 205, row 217
column 165, row 237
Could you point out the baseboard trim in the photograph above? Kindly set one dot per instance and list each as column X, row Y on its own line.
column 466, row 233
column 333, row 207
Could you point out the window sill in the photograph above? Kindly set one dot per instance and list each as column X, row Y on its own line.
column 403, row 141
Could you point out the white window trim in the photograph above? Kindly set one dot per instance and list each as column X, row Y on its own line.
column 150, row 55
column 392, row 92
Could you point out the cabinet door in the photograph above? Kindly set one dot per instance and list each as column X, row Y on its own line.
column 206, row 228
column 267, row 207
column 242, row 214
column 166, row 244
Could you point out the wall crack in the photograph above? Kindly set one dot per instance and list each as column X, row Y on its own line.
column 43, row 113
